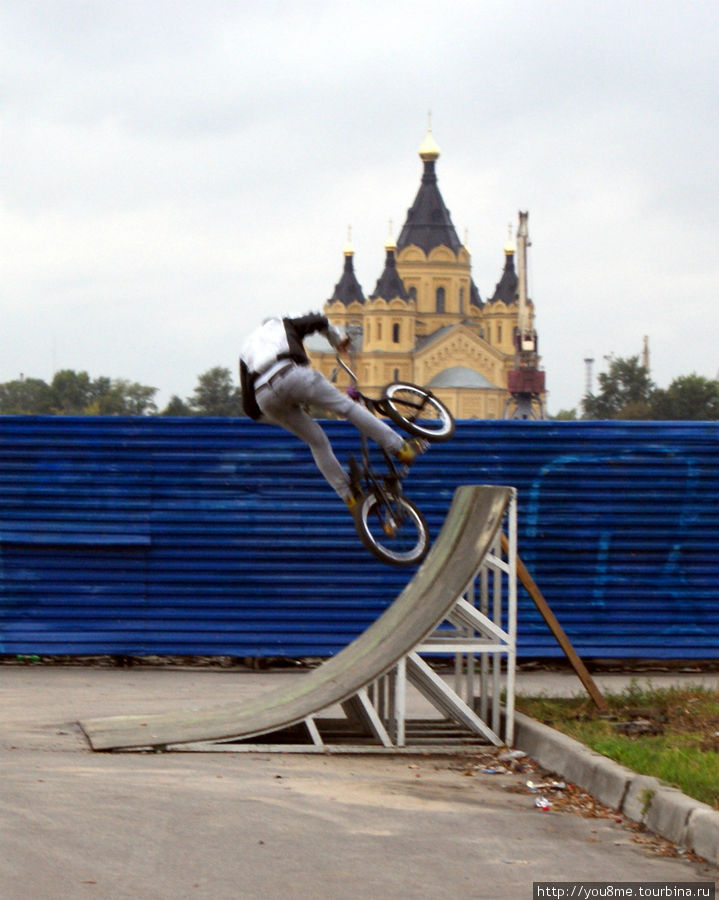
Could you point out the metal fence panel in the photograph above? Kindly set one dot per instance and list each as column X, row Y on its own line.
column 201, row 536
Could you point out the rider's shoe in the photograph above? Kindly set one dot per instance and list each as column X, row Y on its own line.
column 411, row 449
column 355, row 484
column 389, row 526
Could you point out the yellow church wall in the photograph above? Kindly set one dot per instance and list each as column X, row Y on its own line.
column 481, row 403
column 426, row 274
column 460, row 348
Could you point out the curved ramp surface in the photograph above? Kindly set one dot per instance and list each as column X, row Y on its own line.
column 470, row 527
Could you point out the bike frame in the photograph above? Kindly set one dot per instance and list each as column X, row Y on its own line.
column 379, row 483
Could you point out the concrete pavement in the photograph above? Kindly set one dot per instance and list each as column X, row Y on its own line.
column 81, row 824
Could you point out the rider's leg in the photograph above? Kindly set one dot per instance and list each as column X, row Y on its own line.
column 295, row 420
column 313, row 387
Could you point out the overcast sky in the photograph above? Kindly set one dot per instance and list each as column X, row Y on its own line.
column 174, row 170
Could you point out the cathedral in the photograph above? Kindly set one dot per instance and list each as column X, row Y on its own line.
column 425, row 321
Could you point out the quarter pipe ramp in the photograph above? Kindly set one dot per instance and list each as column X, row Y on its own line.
column 468, row 533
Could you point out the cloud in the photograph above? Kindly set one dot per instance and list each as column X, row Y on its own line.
column 173, row 171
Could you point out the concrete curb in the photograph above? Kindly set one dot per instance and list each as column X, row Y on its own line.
column 663, row 809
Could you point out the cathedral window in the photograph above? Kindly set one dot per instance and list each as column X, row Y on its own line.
column 440, row 299
column 395, row 333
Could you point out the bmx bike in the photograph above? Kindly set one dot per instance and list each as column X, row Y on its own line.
column 388, row 523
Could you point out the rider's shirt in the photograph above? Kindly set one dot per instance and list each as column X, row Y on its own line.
column 275, row 342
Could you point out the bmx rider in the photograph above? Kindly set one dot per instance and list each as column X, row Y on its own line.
column 277, row 381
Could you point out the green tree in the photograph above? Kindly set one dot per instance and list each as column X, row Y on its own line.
column 26, row 396
column 176, row 407
column 139, row 399
column 215, row 395
column 72, row 392
column 121, row 398
column 75, row 393
column 688, row 397
column 625, row 392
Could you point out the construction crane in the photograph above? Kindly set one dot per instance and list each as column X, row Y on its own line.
column 525, row 381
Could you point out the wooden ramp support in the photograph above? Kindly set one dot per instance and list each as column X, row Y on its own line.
column 558, row 632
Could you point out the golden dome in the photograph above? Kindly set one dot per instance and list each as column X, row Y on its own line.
column 429, row 150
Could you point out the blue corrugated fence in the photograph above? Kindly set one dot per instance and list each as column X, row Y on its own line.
column 201, row 536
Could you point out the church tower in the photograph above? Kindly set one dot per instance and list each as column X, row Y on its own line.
column 431, row 259
column 425, row 321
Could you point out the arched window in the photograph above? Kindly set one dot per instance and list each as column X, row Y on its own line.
column 395, row 333
column 396, row 375
column 440, row 299
column 412, row 293
column 499, row 334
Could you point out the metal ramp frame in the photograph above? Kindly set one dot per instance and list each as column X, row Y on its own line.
column 476, row 702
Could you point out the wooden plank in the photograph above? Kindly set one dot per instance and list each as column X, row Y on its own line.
column 557, row 630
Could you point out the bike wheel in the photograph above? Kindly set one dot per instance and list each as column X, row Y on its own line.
column 392, row 528
column 418, row 411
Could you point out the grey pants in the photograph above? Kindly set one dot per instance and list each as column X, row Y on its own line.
column 281, row 403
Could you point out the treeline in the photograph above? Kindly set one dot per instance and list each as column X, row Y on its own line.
column 72, row 393
column 626, row 391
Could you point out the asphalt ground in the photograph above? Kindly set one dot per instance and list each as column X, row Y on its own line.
column 77, row 824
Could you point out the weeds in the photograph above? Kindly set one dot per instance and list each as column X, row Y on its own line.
column 669, row 733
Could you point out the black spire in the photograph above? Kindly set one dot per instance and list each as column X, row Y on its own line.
column 428, row 223
column 506, row 288
column 389, row 284
column 474, row 298
column 348, row 289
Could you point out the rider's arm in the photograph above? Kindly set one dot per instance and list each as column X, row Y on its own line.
column 304, row 325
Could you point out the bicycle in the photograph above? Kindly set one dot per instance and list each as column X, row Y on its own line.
column 388, row 523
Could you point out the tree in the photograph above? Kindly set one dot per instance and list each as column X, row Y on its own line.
column 215, row 394
column 121, row 398
column 75, row 393
column 176, row 407
column 626, row 392
column 72, row 392
column 26, row 395
column 688, row 397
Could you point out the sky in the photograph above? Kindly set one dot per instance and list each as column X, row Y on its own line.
column 173, row 171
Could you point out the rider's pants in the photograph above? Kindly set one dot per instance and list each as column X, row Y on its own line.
column 281, row 403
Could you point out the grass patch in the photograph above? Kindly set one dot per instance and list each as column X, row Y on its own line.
column 670, row 733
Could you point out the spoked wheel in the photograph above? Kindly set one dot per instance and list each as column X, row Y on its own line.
column 392, row 528
column 418, row 411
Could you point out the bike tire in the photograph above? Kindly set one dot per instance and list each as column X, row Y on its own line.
column 418, row 411
column 407, row 543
